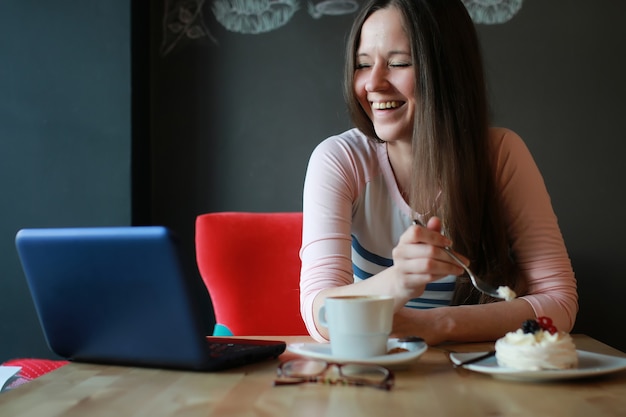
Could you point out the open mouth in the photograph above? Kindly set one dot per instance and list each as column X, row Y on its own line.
column 385, row 105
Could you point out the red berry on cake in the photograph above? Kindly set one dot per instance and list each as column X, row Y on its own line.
column 544, row 322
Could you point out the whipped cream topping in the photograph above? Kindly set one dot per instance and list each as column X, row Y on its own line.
column 536, row 351
column 506, row 293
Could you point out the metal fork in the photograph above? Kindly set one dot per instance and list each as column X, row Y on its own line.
column 479, row 284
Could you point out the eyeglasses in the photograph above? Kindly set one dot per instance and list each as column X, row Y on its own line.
column 300, row 371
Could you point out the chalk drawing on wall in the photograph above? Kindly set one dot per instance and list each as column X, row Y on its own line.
column 492, row 12
column 254, row 16
column 183, row 19
column 318, row 9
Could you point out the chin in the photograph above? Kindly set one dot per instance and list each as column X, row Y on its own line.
column 387, row 135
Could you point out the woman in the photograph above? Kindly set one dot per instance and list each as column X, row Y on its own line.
column 422, row 148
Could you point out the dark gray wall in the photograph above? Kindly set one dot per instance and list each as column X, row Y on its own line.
column 65, row 135
column 236, row 118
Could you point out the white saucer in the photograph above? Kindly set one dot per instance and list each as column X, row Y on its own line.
column 322, row 351
column 589, row 365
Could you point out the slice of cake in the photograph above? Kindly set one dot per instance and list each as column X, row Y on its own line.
column 538, row 345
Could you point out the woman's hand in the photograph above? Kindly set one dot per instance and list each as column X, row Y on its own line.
column 419, row 258
column 413, row 322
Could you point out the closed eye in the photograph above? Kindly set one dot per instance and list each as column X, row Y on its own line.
column 393, row 65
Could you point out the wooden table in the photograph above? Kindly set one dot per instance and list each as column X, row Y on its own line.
column 428, row 387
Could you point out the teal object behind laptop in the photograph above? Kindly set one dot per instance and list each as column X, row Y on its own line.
column 119, row 295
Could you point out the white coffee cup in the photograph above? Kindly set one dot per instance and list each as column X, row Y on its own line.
column 358, row 325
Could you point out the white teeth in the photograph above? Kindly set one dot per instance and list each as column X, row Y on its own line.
column 385, row 105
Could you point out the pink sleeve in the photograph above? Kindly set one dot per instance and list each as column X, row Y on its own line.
column 332, row 181
column 536, row 239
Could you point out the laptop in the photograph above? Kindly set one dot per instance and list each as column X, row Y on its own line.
column 119, row 295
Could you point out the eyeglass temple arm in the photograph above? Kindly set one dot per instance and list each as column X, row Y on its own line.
column 385, row 385
column 279, row 382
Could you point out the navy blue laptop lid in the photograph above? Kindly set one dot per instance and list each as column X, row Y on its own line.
column 119, row 295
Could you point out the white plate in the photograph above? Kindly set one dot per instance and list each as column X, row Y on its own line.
column 322, row 351
column 589, row 364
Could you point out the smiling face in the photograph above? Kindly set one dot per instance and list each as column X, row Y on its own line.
column 384, row 78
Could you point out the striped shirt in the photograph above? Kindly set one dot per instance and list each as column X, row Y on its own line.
column 354, row 215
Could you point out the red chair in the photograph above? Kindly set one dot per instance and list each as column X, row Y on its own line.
column 250, row 265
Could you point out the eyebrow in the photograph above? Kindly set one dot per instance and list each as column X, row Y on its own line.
column 390, row 54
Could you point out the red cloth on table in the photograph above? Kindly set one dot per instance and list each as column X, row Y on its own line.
column 33, row 368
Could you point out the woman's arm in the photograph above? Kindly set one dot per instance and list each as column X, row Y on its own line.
column 465, row 323
column 418, row 260
column 539, row 252
column 536, row 241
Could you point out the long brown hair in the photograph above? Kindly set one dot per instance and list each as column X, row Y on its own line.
column 453, row 175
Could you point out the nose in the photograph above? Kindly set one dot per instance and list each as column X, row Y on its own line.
column 377, row 79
